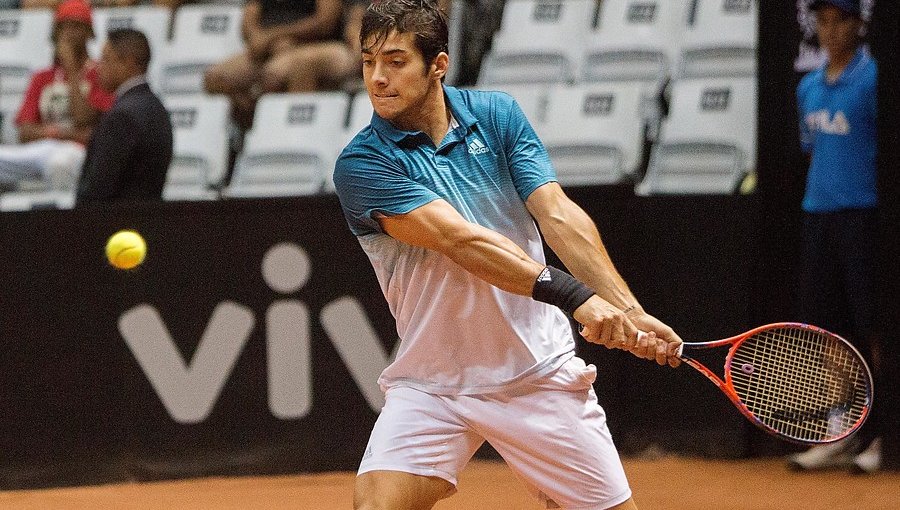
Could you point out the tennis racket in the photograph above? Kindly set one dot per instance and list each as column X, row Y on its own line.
column 795, row 381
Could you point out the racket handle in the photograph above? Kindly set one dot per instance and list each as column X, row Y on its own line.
column 642, row 334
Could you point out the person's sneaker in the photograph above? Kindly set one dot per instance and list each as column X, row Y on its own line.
column 869, row 460
column 838, row 455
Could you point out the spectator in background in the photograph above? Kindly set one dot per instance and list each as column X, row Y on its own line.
column 838, row 113
column 273, row 29
column 131, row 149
column 61, row 106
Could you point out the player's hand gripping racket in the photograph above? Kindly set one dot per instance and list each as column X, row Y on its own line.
column 794, row 381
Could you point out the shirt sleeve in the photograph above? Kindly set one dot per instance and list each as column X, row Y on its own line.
column 29, row 112
column 528, row 160
column 369, row 186
column 806, row 135
column 871, row 97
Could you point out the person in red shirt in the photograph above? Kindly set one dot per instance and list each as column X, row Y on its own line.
column 60, row 108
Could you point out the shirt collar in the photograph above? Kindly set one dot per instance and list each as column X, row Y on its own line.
column 458, row 109
column 856, row 63
column 129, row 84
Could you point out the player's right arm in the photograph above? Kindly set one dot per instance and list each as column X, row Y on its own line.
column 494, row 258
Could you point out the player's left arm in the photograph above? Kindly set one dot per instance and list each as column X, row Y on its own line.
column 574, row 237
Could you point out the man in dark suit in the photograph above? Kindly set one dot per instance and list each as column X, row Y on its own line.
column 130, row 149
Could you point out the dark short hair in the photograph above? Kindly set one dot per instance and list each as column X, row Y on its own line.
column 420, row 17
column 132, row 44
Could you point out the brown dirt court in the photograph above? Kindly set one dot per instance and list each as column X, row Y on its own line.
column 666, row 483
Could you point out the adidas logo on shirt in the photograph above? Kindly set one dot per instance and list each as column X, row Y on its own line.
column 476, row 147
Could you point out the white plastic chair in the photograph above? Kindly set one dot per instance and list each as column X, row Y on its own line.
column 203, row 34
column 30, row 200
column 152, row 20
column 594, row 133
column 722, row 41
column 708, row 143
column 635, row 40
column 538, row 41
column 200, row 125
column 25, row 47
column 292, row 147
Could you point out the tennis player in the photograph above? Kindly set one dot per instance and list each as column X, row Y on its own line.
column 442, row 191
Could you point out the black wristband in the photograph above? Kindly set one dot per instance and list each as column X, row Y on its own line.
column 560, row 289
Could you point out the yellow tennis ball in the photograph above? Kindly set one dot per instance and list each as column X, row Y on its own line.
column 126, row 249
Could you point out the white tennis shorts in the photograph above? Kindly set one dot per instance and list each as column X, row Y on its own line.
column 551, row 432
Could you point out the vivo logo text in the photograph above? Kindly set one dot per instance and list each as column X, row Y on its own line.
column 189, row 388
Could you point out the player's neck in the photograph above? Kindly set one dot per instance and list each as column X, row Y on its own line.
column 837, row 63
column 433, row 117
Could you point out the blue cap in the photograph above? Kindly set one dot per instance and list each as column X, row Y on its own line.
column 848, row 6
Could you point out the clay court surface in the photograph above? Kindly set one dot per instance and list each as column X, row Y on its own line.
column 668, row 483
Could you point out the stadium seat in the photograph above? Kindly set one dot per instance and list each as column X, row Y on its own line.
column 538, row 41
column 293, row 145
column 594, row 133
column 722, row 41
column 24, row 47
column 635, row 40
column 29, row 200
column 200, row 126
column 202, row 35
column 708, row 142
column 152, row 20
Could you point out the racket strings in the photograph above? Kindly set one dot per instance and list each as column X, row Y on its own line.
column 802, row 383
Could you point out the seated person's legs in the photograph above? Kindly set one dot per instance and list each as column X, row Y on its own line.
column 311, row 67
column 56, row 162
column 236, row 77
column 64, row 166
column 235, row 74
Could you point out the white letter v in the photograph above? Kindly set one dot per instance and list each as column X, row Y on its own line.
column 188, row 391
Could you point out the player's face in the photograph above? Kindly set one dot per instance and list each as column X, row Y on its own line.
column 397, row 79
column 838, row 31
